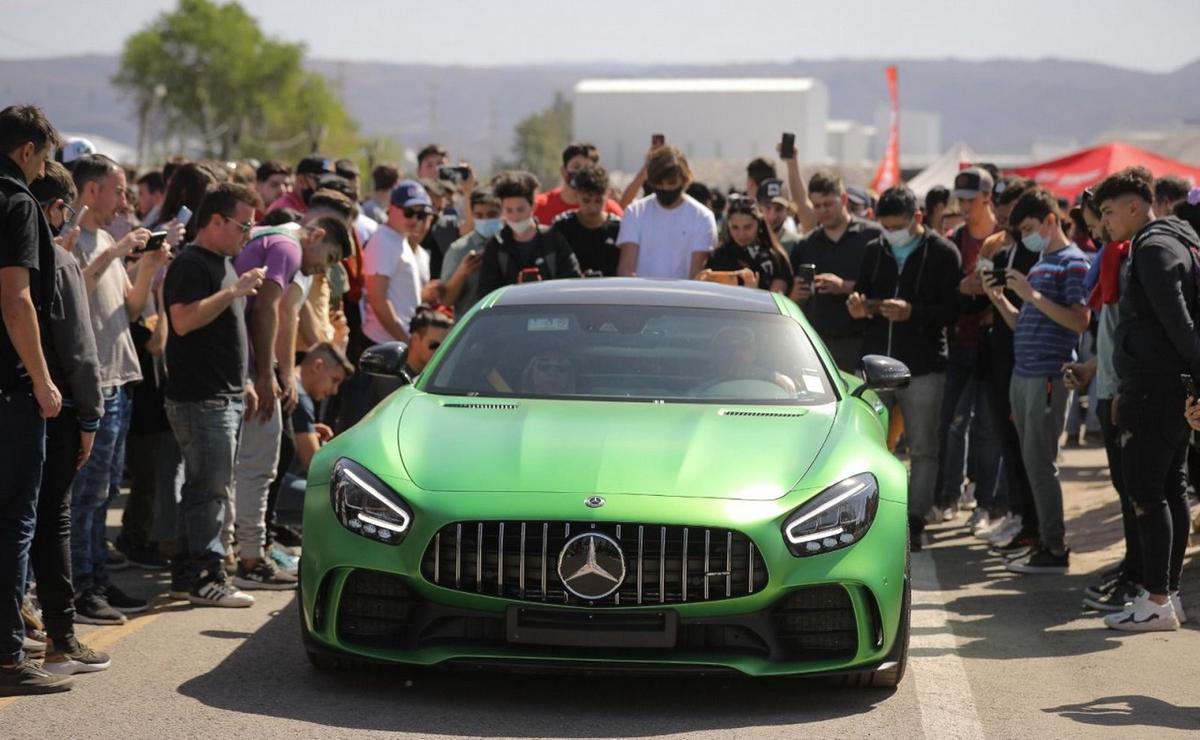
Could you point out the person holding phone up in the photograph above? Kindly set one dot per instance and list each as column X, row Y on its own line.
column 752, row 255
column 906, row 297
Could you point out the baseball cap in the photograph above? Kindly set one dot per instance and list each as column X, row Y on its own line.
column 346, row 168
column 971, row 182
column 75, row 148
column 772, row 190
column 315, row 164
column 858, row 196
column 409, row 194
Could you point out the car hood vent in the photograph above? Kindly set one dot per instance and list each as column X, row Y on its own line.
column 484, row 406
column 776, row 414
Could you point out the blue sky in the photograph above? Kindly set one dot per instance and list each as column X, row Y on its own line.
column 1155, row 35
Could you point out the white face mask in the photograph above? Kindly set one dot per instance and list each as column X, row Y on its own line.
column 897, row 237
column 520, row 227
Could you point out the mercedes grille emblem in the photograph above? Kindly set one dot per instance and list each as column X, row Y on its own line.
column 591, row 565
column 594, row 502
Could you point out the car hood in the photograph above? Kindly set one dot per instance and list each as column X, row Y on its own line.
column 599, row 447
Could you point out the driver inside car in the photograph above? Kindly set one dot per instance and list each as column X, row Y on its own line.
column 735, row 349
column 549, row 373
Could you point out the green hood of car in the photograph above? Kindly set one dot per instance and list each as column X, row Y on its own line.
column 598, row 447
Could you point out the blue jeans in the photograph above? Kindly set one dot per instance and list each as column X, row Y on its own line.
column 22, row 453
column 207, row 432
column 92, row 490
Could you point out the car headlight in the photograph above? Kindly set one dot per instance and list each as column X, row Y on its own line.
column 365, row 506
column 837, row 517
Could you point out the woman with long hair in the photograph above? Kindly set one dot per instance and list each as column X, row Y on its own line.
column 751, row 254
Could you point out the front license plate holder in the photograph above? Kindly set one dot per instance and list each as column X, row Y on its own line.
column 608, row 629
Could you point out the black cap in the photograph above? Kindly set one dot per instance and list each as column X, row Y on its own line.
column 346, row 168
column 971, row 182
column 315, row 164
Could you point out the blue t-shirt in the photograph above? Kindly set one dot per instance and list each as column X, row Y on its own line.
column 1041, row 344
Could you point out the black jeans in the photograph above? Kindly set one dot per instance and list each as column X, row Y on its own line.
column 22, row 452
column 51, row 550
column 1132, row 570
column 1154, row 439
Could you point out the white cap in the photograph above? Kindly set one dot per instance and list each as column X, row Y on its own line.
column 75, row 148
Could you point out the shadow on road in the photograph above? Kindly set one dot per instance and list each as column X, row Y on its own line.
column 498, row 704
column 1131, row 711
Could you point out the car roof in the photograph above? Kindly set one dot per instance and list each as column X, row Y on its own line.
column 638, row 292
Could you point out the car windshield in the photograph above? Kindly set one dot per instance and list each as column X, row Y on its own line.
column 632, row 353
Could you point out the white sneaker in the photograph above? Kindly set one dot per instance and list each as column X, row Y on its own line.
column 977, row 521
column 1005, row 534
column 993, row 526
column 1177, row 603
column 214, row 592
column 1143, row 615
column 967, row 501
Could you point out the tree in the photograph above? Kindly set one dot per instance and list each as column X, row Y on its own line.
column 541, row 137
column 215, row 79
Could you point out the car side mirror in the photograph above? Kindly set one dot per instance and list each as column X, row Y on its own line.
column 387, row 359
column 882, row 374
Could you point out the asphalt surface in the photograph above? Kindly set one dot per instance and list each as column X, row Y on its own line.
column 993, row 655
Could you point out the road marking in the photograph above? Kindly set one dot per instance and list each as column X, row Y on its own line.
column 944, row 695
column 102, row 638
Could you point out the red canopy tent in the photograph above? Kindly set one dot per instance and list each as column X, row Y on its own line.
column 1069, row 175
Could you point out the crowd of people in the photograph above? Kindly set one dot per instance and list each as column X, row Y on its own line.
column 196, row 334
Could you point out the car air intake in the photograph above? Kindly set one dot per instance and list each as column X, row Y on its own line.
column 816, row 623
column 663, row 564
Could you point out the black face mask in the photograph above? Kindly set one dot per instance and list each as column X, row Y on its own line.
column 668, row 197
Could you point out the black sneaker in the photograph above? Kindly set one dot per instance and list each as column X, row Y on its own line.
column 1020, row 544
column 265, row 575
column 92, row 608
column 1041, row 561
column 25, row 678
column 115, row 559
column 1104, row 588
column 75, row 657
column 1116, row 599
column 180, row 587
column 916, row 533
column 122, row 601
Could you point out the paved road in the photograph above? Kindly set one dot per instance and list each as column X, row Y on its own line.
column 993, row 655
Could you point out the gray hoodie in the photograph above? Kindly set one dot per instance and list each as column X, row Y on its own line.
column 70, row 346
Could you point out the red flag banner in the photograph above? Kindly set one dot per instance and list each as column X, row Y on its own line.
column 888, row 173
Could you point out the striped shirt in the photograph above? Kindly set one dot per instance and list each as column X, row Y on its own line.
column 1041, row 344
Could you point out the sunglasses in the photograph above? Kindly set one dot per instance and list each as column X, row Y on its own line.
column 245, row 227
column 417, row 213
column 68, row 211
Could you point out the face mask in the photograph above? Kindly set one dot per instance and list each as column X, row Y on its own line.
column 520, row 227
column 1035, row 242
column 488, row 227
column 897, row 237
column 668, row 197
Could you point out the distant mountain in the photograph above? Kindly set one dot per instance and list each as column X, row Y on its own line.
column 1000, row 106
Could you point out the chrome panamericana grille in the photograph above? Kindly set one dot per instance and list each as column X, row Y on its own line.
column 664, row 564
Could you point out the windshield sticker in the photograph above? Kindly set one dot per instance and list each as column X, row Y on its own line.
column 555, row 324
column 812, row 384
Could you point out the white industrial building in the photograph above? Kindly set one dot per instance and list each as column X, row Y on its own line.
column 920, row 136
column 850, row 143
column 709, row 119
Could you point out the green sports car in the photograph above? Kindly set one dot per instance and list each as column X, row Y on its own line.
column 616, row 474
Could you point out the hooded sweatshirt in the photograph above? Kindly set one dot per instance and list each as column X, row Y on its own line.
column 929, row 282
column 1156, row 339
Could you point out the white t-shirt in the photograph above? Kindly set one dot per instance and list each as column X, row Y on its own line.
column 365, row 227
column 666, row 238
column 388, row 254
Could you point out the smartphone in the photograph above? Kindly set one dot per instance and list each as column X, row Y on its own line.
column 806, row 272
column 66, row 229
column 1189, row 385
column 454, row 174
column 657, row 140
column 872, row 304
column 183, row 216
column 787, row 147
column 529, row 275
column 999, row 275
column 154, row 242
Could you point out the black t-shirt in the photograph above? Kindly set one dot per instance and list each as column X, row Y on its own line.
column 208, row 362
column 24, row 242
column 843, row 258
column 769, row 265
column 596, row 249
